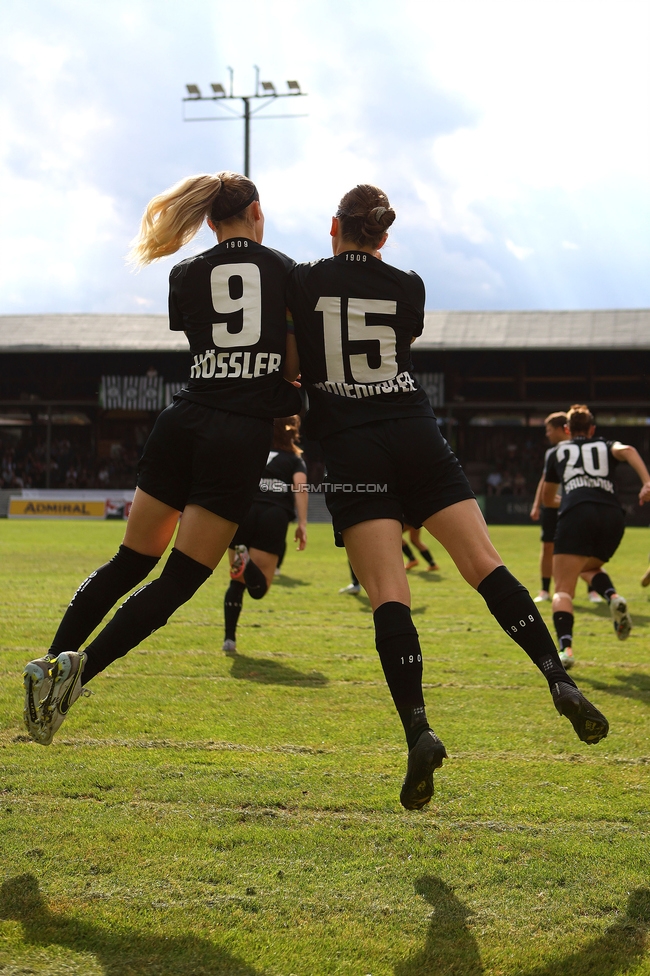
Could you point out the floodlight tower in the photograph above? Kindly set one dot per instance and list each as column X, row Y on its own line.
column 264, row 94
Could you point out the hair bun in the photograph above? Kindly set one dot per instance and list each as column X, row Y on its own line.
column 379, row 212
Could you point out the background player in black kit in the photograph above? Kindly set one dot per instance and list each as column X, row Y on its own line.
column 591, row 522
column 207, row 450
column 261, row 537
column 355, row 318
column 556, row 431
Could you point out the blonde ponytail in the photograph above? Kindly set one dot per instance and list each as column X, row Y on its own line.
column 173, row 218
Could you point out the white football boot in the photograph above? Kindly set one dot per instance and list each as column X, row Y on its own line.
column 52, row 685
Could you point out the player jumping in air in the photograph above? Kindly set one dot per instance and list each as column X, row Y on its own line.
column 591, row 521
column 355, row 318
column 207, row 451
column 259, row 540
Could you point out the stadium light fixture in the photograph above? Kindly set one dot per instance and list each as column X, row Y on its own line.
column 265, row 91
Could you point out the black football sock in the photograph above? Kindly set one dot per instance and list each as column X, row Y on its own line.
column 146, row 610
column 563, row 622
column 513, row 608
column 426, row 555
column 352, row 574
column 232, row 604
column 255, row 580
column 98, row 594
column 602, row 584
column 399, row 651
column 282, row 554
column 408, row 552
column 546, row 583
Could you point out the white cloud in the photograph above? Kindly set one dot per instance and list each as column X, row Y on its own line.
column 485, row 122
column 521, row 253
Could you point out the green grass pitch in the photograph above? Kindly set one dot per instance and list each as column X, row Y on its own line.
column 204, row 816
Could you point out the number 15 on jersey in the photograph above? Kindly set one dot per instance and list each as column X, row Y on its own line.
column 358, row 330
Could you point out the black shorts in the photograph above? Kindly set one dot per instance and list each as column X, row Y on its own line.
column 399, row 469
column 202, row 456
column 590, row 529
column 265, row 528
column 548, row 523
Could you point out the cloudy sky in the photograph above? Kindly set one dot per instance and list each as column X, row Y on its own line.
column 512, row 136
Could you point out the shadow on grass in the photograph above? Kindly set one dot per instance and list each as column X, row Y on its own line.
column 634, row 685
column 621, row 947
column 267, row 672
column 602, row 610
column 118, row 952
column 364, row 606
column 452, row 950
column 290, row 582
column 433, row 577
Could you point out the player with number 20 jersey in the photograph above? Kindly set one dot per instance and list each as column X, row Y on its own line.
column 355, row 318
column 591, row 521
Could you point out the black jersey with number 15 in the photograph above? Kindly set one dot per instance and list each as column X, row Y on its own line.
column 354, row 320
column 584, row 467
column 230, row 303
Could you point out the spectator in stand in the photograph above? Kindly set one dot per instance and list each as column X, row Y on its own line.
column 494, row 480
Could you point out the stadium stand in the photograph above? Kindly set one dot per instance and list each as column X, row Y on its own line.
column 79, row 394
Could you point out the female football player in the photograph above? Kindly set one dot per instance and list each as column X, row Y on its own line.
column 207, row 451
column 411, row 561
column 355, row 318
column 261, row 537
column 591, row 520
column 556, row 431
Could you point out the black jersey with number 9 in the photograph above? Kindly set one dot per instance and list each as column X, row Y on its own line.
column 230, row 303
column 355, row 318
column 585, row 468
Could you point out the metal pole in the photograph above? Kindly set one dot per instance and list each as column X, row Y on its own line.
column 48, row 446
column 247, row 135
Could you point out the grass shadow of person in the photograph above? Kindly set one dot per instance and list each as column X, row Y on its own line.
column 290, row 582
column 450, row 949
column 620, row 948
column 635, row 685
column 430, row 576
column 120, row 952
column 639, row 620
column 268, row 672
column 364, row 606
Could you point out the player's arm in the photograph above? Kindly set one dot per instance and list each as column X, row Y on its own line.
column 301, row 497
column 291, row 360
column 629, row 454
column 537, row 501
column 550, row 497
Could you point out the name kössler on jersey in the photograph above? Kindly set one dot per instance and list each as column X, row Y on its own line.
column 230, row 365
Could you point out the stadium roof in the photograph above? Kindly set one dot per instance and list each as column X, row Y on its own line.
column 622, row 329
column 89, row 333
